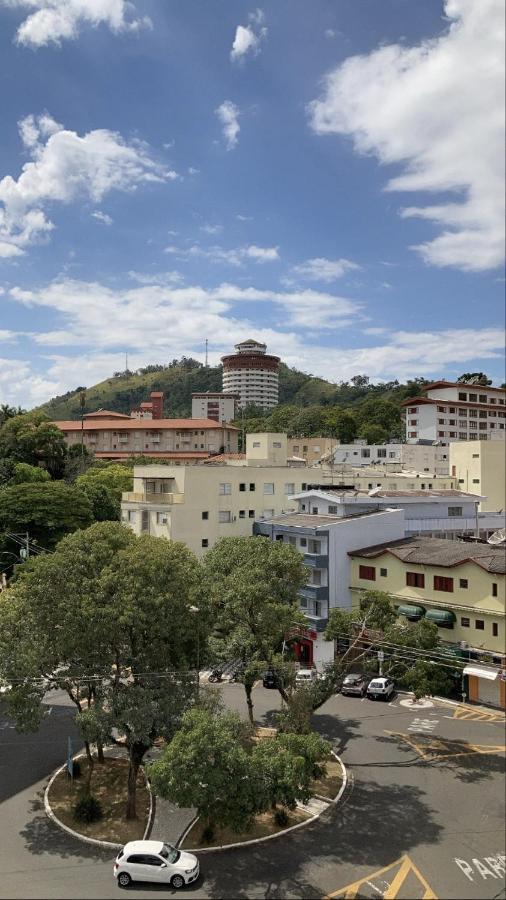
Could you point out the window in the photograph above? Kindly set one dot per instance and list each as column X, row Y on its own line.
column 473, row 413
column 252, row 487
column 462, row 435
column 303, row 542
column 268, row 487
column 495, row 629
column 303, row 486
column 494, row 589
column 251, row 513
column 205, row 542
column 413, row 409
column 415, row 579
column 290, row 487
column 383, row 573
column 454, row 510
column 131, row 515
column 442, row 583
column 367, row 573
column 225, row 488
column 465, row 622
column 205, row 514
column 365, row 453
column 441, row 409
column 462, row 412
column 332, row 510
column 476, row 480
column 316, row 576
column 314, row 511
column 292, row 541
column 314, row 547
column 256, row 443
column 463, row 583
column 473, row 398
column 242, row 487
column 145, row 520
column 382, row 450
column 482, row 398
column 224, row 515
column 483, row 414
column 277, row 444
column 452, row 410
column 462, row 396
column 242, row 513
column 412, row 434
column 161, row 518
column 479, row 624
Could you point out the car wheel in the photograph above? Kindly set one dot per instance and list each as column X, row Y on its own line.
column 177, row 881
column 124, row 879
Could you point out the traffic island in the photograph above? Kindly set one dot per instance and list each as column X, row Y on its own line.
column 109, row 788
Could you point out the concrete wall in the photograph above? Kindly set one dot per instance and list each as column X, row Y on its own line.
column 480, row 466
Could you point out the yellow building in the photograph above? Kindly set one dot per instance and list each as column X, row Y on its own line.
column 311, row 449
column 480, row 466
column 457, row 585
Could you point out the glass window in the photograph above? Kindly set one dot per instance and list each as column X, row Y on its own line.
column 224, row 515
column 367, row 573
column 465, row 622
column 494, row 589
column 205, row 542
column 462, row 396
column 242, row 513
column 161, row 518
column 251, row 513
column 463, row 583
column 383, row 573
column 268, row 487
column 252, row 487
column 205, row 514
column 455, row 510
column 256, row 443
column 303, row 542
column 482, row 398
column 442, row 583
column 225, row 488
column 316, row 576
column 242, row 487
column 290, row 487
column 495, row 629
column 415, row 579
column 479, row 624
column 332, row 510
column 473, row 398
column 277, row 445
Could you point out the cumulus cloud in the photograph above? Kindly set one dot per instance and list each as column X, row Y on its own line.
column 248, row 38
column 437, row 109
column 322, row 269
column 234, row 257
column 228, row 115
column 64, row 167
column 102, row 217
column 57, row 20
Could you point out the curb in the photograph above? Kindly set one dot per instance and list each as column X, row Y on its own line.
column 268, row 837
column 108, row 845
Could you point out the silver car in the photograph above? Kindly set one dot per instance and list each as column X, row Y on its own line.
column 157, row 862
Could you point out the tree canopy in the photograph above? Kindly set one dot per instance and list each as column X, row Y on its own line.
column 31, row 438
column 46, row 510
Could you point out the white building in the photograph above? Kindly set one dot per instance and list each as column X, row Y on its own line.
column 360, row 453
column 215, row 406
column 456, row 412
column 426, row 456
column 252, row 375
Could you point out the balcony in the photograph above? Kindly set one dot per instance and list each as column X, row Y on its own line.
column 316, row 560
column 150, row 497
column 314, row 592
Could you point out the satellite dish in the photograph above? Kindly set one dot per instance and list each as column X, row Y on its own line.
column 498, row 537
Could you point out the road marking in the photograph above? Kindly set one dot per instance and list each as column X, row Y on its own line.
column 402, row 869
column 445, row 749
column 423, row 726
column 477, row 715
column 411, row 703
column 489, row 866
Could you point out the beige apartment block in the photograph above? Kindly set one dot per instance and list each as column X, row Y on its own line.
column 367, row 479
column 479, row 466
column 311, row 449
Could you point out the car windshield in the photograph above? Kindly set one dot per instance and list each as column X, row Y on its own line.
column 170, row 853
column 351, row 679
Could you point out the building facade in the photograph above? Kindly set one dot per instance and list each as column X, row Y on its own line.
column 252, row 374
column 426, row 456
column 456, row 412
column 363, row 479
column 312, row 450
column 360, row 453
column 215, row 406
column 481, row 466
column 458, row 586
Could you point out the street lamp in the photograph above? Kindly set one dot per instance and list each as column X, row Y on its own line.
column 194, row 611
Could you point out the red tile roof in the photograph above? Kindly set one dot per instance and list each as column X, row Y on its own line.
column 156, row 454
column 105, row 414
column 128, row 423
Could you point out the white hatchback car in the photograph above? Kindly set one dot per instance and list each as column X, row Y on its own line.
column 380, row 687
column 155, row 861
column 305, row 677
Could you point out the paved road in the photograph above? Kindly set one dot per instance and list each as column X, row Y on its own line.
column 423, row 816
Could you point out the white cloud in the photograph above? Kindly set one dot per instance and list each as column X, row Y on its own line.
column 248, row 38
column 102, row 217
column 228, row 114
column 234, row 257
column 64, row 167
column 20, row 384
column 56, row 20
column 321, row 269
column 209, row 228
column 438, row 110
column 160, row 278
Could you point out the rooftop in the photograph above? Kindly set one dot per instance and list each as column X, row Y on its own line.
column 306, row 520
column 439, row 552
column 129, row 424
column 380, row 494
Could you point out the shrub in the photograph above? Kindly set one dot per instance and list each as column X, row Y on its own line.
column 281, row 818
column 88, row 809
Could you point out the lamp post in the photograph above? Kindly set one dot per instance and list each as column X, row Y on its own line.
column 195, row 611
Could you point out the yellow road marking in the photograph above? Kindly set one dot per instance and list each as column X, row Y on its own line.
column 435, row 748
column 477, row 715
column 406, row 868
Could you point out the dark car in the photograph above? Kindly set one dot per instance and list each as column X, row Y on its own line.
column 270, row 679
column 354, row 686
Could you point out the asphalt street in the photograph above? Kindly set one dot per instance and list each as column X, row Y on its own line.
column 422, row 816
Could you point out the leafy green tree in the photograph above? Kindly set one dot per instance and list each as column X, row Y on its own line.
column 6, row 470
column 9, row 412
column 346, row 426
column 428, row 678
column 106, row 618
column 208, row 765
column 373, row 434
column 474, row 378
column 24, row 474
column 104, row 485
column 253, row 587
column 377, row 411
column 46, row 510
column 31, row 438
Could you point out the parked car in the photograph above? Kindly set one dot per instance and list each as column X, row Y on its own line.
column 354, row 685
column 270, row 679
column 157, row 862
column 381, row 688
column 305, row 677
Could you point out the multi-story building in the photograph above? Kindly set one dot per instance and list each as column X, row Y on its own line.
column 115, row 436
column 481, row 466
column 312, row 450
column 458, row 586
column 426, row 456
column 360, row 453
column 252, row 374
column 324, row 540
column 201, row 504
column 152, row 408
column 456, row 412
column 215, row 406
column 363, row 479
column 447, row 514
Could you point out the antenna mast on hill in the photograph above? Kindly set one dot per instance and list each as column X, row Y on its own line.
column 126, row 361
column 206, row 351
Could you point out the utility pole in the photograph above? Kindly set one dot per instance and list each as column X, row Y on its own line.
column 82, row 404
column 207, row 343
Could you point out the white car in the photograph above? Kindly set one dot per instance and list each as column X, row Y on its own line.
column 305, row 677
column 155, row 861
column 380, row 687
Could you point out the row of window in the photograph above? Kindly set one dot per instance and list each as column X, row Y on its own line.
column 225, row 488
column 417, row 579
column 479, row 624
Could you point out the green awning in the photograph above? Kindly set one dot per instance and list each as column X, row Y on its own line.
column 441, row 616
column 411, row 611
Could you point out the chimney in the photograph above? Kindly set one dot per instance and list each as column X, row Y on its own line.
column 156, row 398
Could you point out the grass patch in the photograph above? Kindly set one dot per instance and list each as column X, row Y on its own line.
column 263, row 825
column 109, row 786
column 329, row 785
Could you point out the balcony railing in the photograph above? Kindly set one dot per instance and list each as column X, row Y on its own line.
column 150, row 497
column 315, row 591
column 316, row 560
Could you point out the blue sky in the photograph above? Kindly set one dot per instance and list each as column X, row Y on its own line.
column 325, row 176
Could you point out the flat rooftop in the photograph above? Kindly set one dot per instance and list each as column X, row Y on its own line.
column 306, row 520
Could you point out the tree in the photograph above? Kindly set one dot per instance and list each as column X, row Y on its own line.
column 377, row 411
column 46, row 510
column 32, row 438
column 474, row 378
column 427, row 678
column 9, row 412
column 253, row 586
column 104, row 485
column 346, row 426
column 25, row 474
column 373, row 434
column 105, row 507
column 106, row 618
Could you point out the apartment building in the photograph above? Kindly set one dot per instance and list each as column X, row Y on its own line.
column 360, row 453
column 446, row 514
column 312, row 449
column 201, row 504
column 481, row 466
column 426, row 456
column 456, row 412
column 325, row 540
column 252, row 374
column 458, row 586
column 215, row 406
column 363, row 479
column 115, row 436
